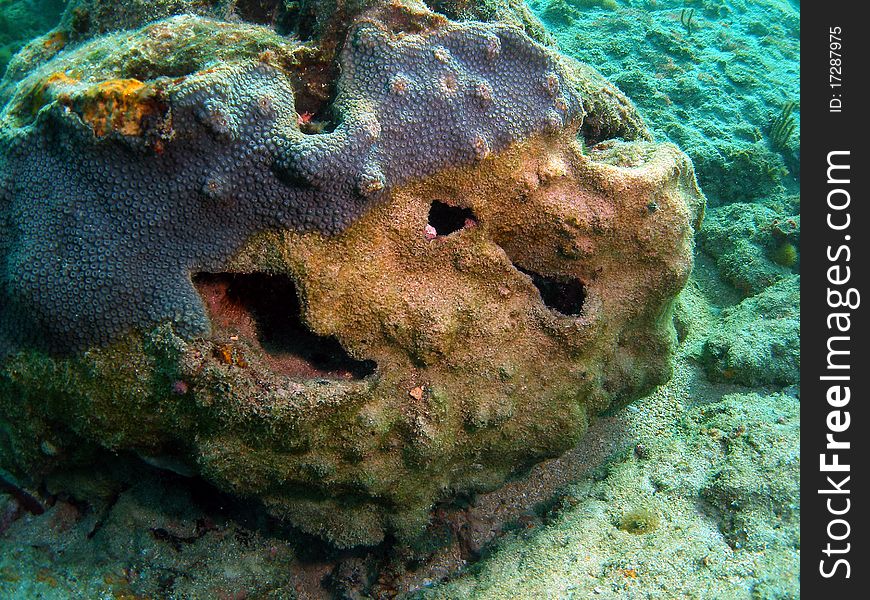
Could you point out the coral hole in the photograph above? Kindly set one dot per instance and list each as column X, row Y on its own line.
column 262, row 12
column 452, row 9
column 265, row 310
column 446, row 219
column 565, row 295
column 314, row 112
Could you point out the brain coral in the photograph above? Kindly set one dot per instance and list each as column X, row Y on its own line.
column 421, row 286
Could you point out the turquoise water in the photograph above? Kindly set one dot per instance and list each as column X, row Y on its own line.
column 712, row 88
column 689, row 491
column 20, row 22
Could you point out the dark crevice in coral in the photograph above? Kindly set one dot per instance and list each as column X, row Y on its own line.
column 299, row 20
column 177, row 542
column 452, row 9
column 150, row 70
column 261, row 12
column 25, row 499
column 285, row 17
column 105, row 511
column 565, row 295
column 314, row 95
column 316, row 122
column 596, row 130
column 267, row 307
column 446, row 219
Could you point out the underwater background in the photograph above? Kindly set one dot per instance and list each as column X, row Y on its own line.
column 689, row 492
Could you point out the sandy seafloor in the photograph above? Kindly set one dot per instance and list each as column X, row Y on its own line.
column 691, row 492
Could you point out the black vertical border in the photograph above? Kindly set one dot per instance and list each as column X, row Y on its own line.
column 822, row 132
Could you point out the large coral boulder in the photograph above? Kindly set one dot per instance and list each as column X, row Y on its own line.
column 346, row 305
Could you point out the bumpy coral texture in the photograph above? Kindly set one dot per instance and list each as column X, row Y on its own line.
column 476, row 378
column 100, row 229
column 470, row 345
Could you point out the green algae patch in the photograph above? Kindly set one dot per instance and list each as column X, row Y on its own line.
column 639, row 521
column 786, row 255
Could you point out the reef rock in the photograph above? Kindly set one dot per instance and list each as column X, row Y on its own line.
column 345, row 278
column 754, row 245
column 759, row 341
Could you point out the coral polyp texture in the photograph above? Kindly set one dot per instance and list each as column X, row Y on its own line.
column 346, row 278
column 123, row 185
